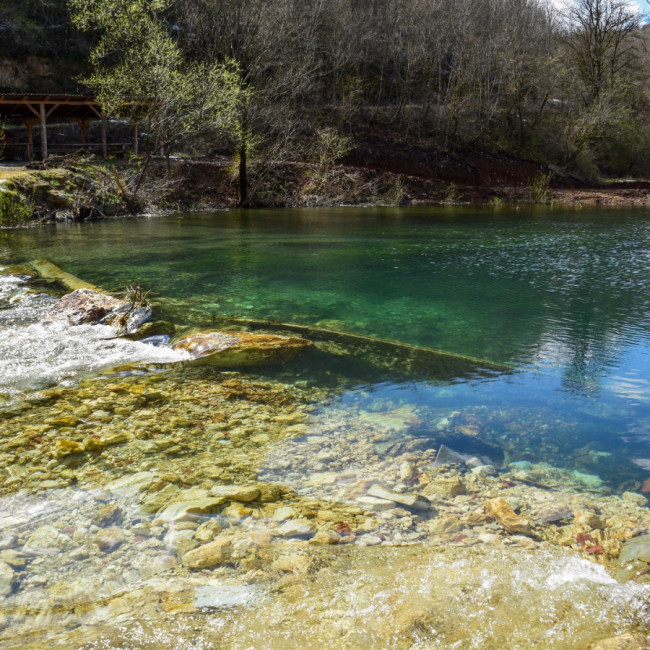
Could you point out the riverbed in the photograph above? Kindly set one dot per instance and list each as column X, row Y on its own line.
column 338, row 498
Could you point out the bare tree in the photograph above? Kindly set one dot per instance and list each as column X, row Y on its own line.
column 601, row 37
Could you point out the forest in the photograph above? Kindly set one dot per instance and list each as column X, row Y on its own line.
column 271, row 80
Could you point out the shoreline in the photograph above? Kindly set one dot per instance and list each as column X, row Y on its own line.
column 86, row 190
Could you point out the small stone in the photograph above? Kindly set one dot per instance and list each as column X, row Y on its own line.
column 326, row 537
column 445, row 487
column 283, row 513
column 65, row 448
column 181, row 541
column 407, row 471
column 261, row 538
column 636, row 498
column 7, row 577
column 109, row 539
column 484, row 470
column 297, row 528
column 590, row 520
column 8, row 540
column 414, row 501
column 375, row 504
column 208, row 555
column 116, row 439
column 270, row 493
column 369, row 540
column 507, row 518
column 108, row 514
column 295, row 563
column 45, row 540
column 93, row 444
column 13, row 558
column 235, row 492
column 184, row 509
column 130, row 484
column 207, row 530
column 445, row 525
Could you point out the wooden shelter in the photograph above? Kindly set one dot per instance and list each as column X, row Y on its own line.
column 32, row 109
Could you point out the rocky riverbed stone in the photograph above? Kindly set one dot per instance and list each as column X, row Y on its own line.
column 208, row 555
column 235, row 492
column 507, row 518
column 190, row 508
column 45, row 540
column 297, row 528
column 7, row 578
column 237, row 349
column 108, row 539
column 84, row 306
column 415, row 501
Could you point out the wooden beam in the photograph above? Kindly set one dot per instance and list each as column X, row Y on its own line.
column 135, row 139
column 43, row 132
column 29, row 123
column 52, row 109
column 33, row 110
column 82, row 127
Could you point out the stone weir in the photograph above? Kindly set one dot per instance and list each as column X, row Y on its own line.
column 411, row 360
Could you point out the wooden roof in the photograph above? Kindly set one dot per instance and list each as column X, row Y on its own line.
column 23, row 106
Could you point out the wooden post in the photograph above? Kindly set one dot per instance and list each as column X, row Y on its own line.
column 30, row 140
column 104, row 138
column 135, row 139
column 43, row 132
column 29, row 124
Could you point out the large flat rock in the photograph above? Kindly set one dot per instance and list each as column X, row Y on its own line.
column 235, row 349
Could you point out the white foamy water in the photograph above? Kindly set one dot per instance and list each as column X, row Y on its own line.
column 35, row 355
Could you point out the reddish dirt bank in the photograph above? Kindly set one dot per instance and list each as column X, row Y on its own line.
column 404, row 176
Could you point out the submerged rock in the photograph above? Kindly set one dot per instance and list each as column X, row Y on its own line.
column 507, row 518
column 108, row 539
column 233, row 349
column 84, row 306
column 414, row 501
column 7, row 578
column 208, row 555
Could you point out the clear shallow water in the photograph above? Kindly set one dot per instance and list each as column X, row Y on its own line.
column 562, row 296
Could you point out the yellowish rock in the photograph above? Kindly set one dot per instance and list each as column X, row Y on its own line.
column 208, row 555
column 507, row 518
column 65, row 448
column 234, row 349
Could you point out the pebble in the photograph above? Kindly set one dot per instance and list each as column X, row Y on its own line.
column 208, row 555
column 108, row 539
column 7, row 577
column 297, row 528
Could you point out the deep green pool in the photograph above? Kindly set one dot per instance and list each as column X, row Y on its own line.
column 564, row 296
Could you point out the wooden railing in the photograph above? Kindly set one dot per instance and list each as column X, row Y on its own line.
column 119, row 149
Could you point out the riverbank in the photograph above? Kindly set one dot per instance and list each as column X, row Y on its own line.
column 79, row 189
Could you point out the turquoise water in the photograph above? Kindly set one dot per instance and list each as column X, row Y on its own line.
column 562, row 296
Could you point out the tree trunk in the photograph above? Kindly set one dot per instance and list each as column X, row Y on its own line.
column 243, row 182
